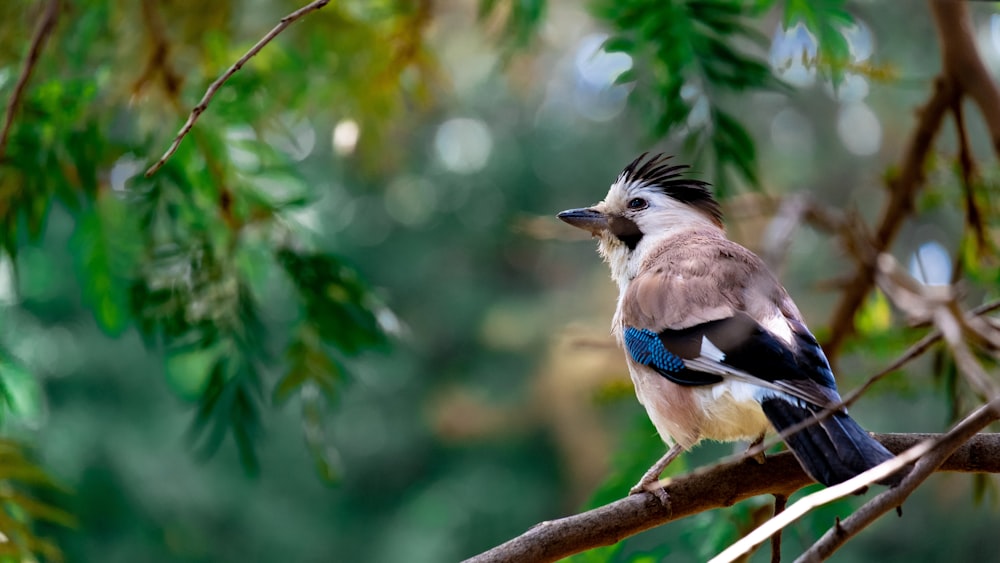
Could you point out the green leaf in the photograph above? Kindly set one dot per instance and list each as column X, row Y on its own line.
column 630, row 75
column 21, row 393
column 711, row 46
column 188, row 370
column 619, row 45
column 230, row 404
column 308, row 363
column 38, row 510
column 521, row 19
column 21, row 480
column 105, row 250
column 336, row 301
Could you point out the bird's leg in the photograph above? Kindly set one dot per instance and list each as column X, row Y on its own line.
column 759, row 457
column 652, row 475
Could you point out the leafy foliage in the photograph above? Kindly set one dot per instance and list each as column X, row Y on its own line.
column 21, row 509
column 164, row 254
column 693, row 54
column 826, row 20
column 698, row 56
column 231, row 265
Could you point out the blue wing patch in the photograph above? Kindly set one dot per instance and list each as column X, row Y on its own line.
column 646, row 348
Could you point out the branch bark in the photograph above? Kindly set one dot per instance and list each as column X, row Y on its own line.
column 962, row 73
column 215, row 86
column 715, row 487
column 903, row 191
column 45, row 26
column 933, row 461
column 962, row 64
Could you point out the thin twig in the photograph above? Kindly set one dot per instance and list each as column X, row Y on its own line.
column 962, row 63
column 720, row 486
column 962, row 73
column 944, row 445
column 902, row 195
column 780, row 502
column 918, row 348
column 967, row 166
column 214, row 87
column 894, row 497
column 45, row 26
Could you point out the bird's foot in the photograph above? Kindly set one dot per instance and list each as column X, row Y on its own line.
column 760, row 457
column 650, row 481
column 652, row 486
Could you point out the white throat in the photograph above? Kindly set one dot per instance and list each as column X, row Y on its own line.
column 657, row 227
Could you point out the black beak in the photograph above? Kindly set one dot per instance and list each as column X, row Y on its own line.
column 587, row 219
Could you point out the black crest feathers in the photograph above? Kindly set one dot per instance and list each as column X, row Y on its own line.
column 657, row 173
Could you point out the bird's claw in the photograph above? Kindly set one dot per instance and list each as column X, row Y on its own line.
column 653, row 487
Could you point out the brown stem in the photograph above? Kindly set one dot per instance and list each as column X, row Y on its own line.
column 967, row 166
column 719, row 486
column 45, row 26
column 963, row 73
column 934, row 460
column 962, row 63
column 902, row 195
column 214, row 87
column 780, row 501
column 158, row 62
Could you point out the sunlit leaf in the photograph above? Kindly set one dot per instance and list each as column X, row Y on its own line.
column 21, row 393
column 188, row 370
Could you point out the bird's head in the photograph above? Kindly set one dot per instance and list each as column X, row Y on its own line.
column 649, row 201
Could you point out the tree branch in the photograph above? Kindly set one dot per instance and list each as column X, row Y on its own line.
column 962, row 63
column 723, row 484
column 962, row 72
column 912, row 352
column 937, row 448
column 45, row 26
column 717, row 487
column 940, row 305
column 937, row 458
column 214, row 86
column 902, row 194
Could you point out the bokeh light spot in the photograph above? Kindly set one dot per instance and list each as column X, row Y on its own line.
column 8, row 281
column 793, row 55
column 860, row 41
column 597, row 67
column 859, row 129
column 345, row 137
column 411, row 200
column 463, row 145
column 122, row 171
column 791, row 132
column 931, row 264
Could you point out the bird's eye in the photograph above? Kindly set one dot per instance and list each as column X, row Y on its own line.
column 636, row 203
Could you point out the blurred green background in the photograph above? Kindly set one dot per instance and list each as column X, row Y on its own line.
column 342, row 323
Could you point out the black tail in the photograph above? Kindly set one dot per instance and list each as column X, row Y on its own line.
column 831, row 451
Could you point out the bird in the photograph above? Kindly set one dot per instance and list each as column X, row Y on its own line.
column 715, row 346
